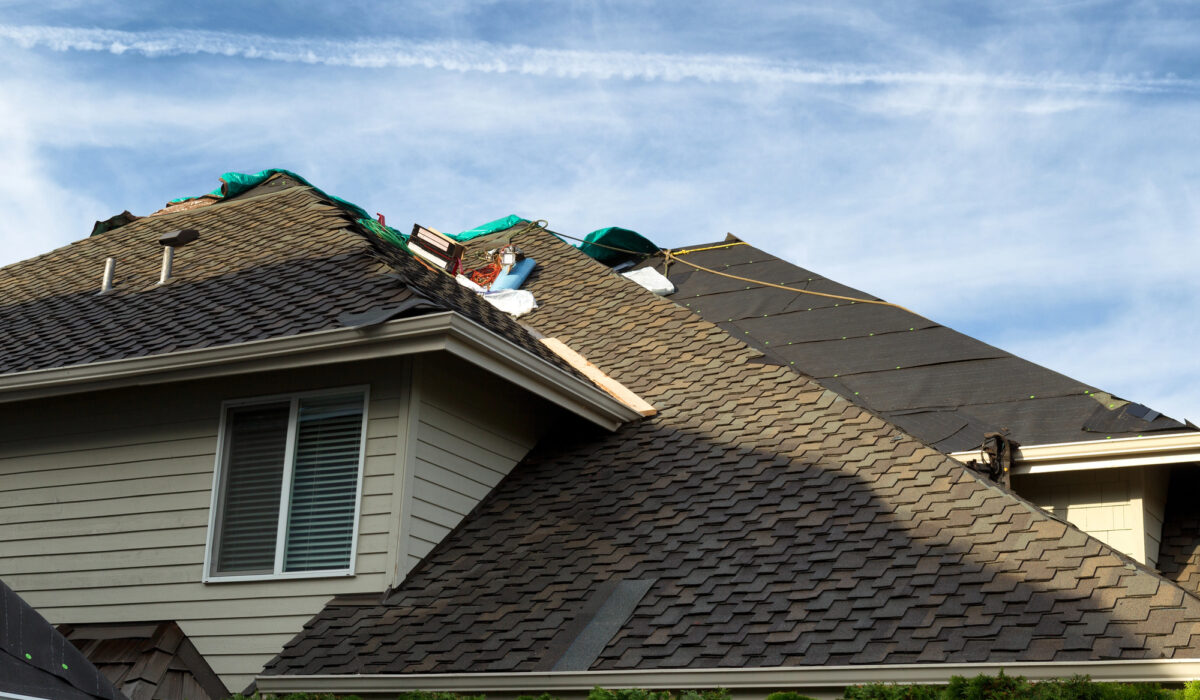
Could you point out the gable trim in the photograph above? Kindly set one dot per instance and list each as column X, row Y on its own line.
column 444, row 331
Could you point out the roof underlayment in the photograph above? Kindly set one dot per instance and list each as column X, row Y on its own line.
column 941, row 386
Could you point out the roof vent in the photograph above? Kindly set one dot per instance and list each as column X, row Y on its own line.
column 170, row 241
column 110, row 267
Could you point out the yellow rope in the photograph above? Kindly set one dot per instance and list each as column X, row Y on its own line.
column 671, row 257
column 711, row 247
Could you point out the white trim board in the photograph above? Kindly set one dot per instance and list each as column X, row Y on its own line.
column 824, row 679
column 1172, row 448
column 446, row 331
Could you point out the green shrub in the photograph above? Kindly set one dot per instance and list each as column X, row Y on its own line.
column 787, row 695
column 891, row 691
column 1003, row 687
column 599, row 693
column 428, row 695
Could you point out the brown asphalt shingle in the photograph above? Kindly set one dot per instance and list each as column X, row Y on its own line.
column 781, row 524
column 279, row 264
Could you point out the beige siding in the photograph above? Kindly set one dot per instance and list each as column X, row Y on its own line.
column 1122, row 507
column 105, row 506
column 469, row 430
column 1154, row 503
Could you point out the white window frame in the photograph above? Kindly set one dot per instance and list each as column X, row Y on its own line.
column 285, row 487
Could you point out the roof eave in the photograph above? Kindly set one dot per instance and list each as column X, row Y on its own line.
column 822, row 680
column 1171, row 448
column 444, row 331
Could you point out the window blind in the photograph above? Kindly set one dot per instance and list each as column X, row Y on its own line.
column 320, row 523
column 257, row 438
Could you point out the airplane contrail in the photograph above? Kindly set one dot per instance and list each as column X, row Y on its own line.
column 466, row 56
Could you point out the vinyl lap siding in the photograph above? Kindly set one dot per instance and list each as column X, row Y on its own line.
column 470, row 431
column 104, row 512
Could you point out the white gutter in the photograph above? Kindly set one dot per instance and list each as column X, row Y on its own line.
column 813, row 680
column 446, row 331
column 1100, row 454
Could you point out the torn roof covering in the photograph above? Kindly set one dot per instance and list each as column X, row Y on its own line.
column 38, row 662
column 757, row 520
column 279, row 258
column 939, row 385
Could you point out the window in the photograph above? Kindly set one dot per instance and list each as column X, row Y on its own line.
column 287, row 487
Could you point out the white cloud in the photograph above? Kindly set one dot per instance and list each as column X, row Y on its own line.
column 461, row 56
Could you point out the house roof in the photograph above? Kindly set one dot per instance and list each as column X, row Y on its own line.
column 278, row 260
column 147, row 661
column 941, row 386
column 758, row 520
column 37, row 662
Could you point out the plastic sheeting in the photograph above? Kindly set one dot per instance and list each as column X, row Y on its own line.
column 652, row 280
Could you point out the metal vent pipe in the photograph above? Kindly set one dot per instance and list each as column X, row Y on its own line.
column 170, row 241
column 110, row 267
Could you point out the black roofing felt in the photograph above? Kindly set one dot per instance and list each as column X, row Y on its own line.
column 38, row 662
column 937, row 384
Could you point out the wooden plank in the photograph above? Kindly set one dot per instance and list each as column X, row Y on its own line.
column 618, row 390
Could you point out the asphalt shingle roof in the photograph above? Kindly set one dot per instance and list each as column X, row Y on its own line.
column 778, row 524
column 277, row 264
column 760, row 518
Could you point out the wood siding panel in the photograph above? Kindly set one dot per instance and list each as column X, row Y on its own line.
column 463, row 447
column 106, row 507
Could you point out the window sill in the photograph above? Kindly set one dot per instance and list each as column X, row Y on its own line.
column 279, row 577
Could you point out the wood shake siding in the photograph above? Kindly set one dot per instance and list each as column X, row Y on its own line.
column 105, row 511
column 470, row 430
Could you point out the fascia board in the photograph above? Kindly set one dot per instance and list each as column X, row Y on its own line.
column 420, row 334
column 1100, row 454
column 804, row 678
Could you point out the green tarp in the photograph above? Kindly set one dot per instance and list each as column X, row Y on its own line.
column 488, row 228
column 599, row 245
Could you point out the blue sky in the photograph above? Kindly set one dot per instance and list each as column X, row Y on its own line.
column 1028, row 173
